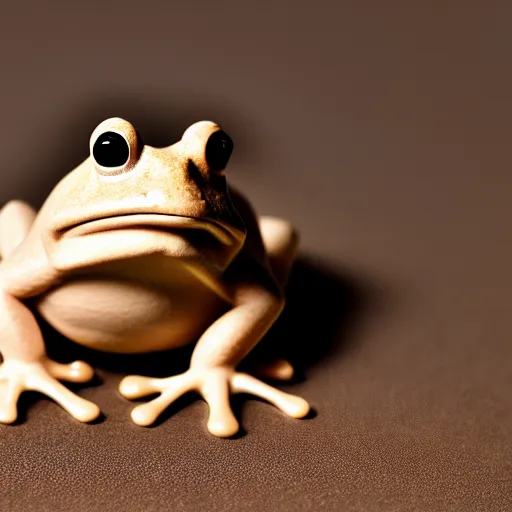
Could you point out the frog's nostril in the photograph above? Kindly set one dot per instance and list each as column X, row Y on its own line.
column 111, row 150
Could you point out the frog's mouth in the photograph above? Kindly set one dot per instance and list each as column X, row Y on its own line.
column 175, row 224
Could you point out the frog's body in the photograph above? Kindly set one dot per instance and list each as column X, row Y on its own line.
column 142, row 249
column 109, row 310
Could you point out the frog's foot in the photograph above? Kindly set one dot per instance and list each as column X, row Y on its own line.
column 17, row 376
column 214, row 384
column 279, row 369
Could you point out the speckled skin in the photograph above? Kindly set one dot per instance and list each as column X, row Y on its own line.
column 150, row 255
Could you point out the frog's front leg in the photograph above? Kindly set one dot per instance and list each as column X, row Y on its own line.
column 212, row 369
column 26, row 366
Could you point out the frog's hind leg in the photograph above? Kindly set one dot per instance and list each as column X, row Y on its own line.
column 281, row 241
column 16, row 219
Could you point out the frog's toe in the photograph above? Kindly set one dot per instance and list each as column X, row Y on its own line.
column 135, row 386
column 78, row 371
column 292, row 405
column 10, row 391
column 16, row 377
column 215, row 390
column 224, row 426
column 81, row 409
column 86, row 411
column 279, row 369
column 146, row 414
column 170, row 389
column 8, row 414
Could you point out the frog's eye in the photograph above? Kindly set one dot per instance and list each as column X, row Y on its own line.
column 115, row 147
column 207, row 146
column 218, row 150
column 111, row 150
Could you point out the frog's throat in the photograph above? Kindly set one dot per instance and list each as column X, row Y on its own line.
column 86, row 249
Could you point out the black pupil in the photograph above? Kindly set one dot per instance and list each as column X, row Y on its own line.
column 111, row 150
column 218, row 150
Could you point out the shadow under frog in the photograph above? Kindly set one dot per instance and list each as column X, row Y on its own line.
column 323, row 308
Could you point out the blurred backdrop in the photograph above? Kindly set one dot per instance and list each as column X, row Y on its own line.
column 381, row 131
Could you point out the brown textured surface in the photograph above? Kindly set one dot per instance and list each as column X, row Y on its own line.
column 383, row 134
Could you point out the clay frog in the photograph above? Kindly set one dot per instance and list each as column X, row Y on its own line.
column 143, row 249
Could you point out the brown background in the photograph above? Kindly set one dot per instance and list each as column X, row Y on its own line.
column 383, row 134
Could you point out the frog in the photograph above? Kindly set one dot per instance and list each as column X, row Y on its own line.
column 142, row 249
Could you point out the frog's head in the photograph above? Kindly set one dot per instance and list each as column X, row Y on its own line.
column 175, row 196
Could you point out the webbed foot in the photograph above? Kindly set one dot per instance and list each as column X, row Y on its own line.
column 215, row 386
column 17, row 376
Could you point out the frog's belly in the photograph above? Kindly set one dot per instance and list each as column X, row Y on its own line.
column 118, row 315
